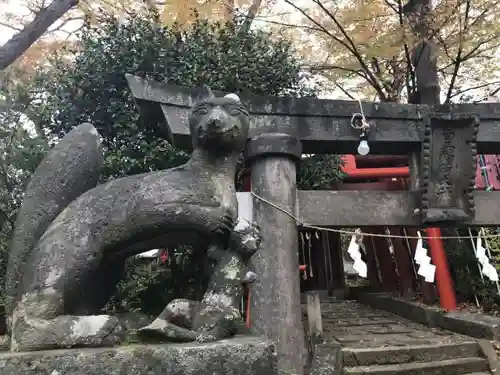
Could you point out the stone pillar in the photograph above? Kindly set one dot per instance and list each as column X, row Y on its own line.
column 275, row 307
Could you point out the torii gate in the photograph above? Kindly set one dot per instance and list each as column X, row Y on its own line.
column 445, row 138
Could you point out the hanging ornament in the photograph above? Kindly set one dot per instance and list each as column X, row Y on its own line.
column 425, row 269
column 487, row 269
column 481, row 252
column 353, row 250
column 420, row 251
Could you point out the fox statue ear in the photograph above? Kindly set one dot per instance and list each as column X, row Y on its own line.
column 234, row 97
column 206, row 93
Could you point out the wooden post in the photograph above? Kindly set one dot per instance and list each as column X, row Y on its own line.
column 335, row 261
column 314, row 316
column 276, row 311
column 405, row 267
column 385, row 260
column 371, row 262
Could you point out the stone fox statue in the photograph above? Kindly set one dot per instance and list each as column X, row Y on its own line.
column 217, row 315
column 72, row 237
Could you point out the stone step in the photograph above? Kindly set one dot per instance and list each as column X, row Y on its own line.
column 458, row 366
column 405, row 354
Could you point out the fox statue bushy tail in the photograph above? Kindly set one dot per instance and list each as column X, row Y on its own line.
column 71, row 168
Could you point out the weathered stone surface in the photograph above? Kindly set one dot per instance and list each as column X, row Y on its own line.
column 491, row 355
column 327, row 360
column 456, row 366
column 65, row 331
column 72, row 270
column 362, row 327
column 374, row 341
column 276, row 311
column 447, row 187
column 410, row 353
column 72, row 167
column 472, row 324
column 237, row 356
column 387, row 208
column 4, row 342
column 413, row 311
column 133, row 320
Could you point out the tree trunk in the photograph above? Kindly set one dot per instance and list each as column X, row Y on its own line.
column 150, row 4
column 252, row 12
column 424, row 58
column 20, row 42
column 3, row 106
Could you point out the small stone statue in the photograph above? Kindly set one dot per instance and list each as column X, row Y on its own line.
column 72, row 238
column 217, row 316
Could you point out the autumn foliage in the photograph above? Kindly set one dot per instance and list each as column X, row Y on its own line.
column 364, row 46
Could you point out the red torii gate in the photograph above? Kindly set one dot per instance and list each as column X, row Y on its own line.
column 438, row 254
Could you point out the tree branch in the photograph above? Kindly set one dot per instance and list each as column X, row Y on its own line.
column 65, row 22
column 12, row 27
column 459, row 58
column 377, row 85
column 289, row 25
column 313, row 68
column 20, row 42
column 351, row 47
column 344, row 91
column 319, row 26
column 410, row 73
column 470, row 88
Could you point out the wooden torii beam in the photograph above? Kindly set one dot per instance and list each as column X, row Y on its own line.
column 448, row 139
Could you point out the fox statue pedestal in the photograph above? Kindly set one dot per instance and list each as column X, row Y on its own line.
column 235, row 356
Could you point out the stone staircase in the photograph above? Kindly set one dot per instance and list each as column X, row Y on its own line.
column 376, row 342
column 449, row 359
